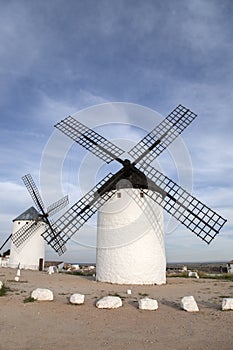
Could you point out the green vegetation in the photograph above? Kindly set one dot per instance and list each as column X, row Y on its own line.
column 201, row 274
column 143, row 294
column 4, row 290
column 29, row 300
column 223, row 276
column 81, row 273
column 20, row 281
column 112, row 294
column 182, row 274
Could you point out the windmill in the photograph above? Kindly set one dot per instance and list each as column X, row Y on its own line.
column 136, row 179
column 27, row 244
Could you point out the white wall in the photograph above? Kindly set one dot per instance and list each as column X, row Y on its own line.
column 230, row 268
column 130, row 240
column 29, row 253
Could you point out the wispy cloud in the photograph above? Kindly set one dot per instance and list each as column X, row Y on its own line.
column 57, row 58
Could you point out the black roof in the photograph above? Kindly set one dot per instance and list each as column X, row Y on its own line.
column 29, row 214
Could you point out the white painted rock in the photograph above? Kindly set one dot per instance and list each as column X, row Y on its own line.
column 77, row 299
column 189, row 304
column 1, row 284
column 227, row 304
column 52, row 269
column 109, row 302
column 148, row 304
column 193, row 274
column 42, row 294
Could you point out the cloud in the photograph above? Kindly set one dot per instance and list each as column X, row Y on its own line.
column 157, row 55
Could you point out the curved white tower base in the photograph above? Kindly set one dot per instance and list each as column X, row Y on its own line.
column 130, row 240
column 29, row 253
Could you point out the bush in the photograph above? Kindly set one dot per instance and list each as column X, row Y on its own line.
column 4, row 290
column 29, row 300
column 222, row 276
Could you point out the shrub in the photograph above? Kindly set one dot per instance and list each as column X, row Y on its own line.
column 4, row 290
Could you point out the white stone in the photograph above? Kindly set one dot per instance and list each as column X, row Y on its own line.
column 77, row 299
column 148, row 304
column 109, row 302
column 75, row 267
column 189, row 304
column 129, row 291
column 193, row 274
column 52, row 269
column 42, row 294
column 17, row 278
column 130, row 240
column 227, row 304
column 1, row 284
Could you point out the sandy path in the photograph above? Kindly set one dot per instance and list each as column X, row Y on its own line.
column 58, row 325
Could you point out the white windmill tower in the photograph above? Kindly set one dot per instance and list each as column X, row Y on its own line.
column 130, row 237
column 30, row 253
column 27, row 243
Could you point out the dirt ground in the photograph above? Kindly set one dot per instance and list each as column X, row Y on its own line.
column 60, row 325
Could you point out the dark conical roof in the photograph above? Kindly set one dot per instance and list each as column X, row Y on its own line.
column 29, row 214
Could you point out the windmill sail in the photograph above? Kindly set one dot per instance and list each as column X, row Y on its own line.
column 155, row 142
column 28, row 230
column 75, row 217
column 191, row 212
column 25, row 232
column 33, row 191
column 89, row 139
column 57, row 206
column 188, row 210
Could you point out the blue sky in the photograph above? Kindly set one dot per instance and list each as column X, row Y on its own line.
column 58, row 57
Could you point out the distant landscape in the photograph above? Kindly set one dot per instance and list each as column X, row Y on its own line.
column 208, row 267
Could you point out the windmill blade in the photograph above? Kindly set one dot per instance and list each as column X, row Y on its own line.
column 162, row 135
column 8, row 238
column 33, row 190
column 24, row 233
column 58, row 242
column 192, row 213
column 69, row 223
column 57, row 206
column 89, row 139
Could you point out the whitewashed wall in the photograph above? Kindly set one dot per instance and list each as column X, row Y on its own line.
column 29, row 253
column 130, row 240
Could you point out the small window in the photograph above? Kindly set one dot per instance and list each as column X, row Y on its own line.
column 141, row 194
column 18, row 222
column 118, row 194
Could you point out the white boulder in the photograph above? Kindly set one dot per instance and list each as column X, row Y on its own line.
column 42, row 294
column 148, row 304
column 77, row 299
column 109, row 302
column 193, row 274
column 227, row 304
column 52, row 269
column 189, row 304
column 1, row 284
